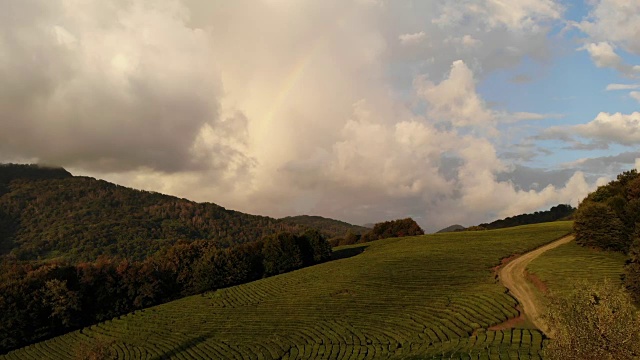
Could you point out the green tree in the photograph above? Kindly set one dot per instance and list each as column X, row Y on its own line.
column 281, row 253
column 593, row 322
column 320, row 248
column 597, row 225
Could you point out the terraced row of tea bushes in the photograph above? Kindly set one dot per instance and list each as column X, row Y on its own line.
column 563, row 266
column 428, row 296
column 506, row 344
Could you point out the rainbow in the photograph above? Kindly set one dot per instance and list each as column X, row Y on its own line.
column 293, row 78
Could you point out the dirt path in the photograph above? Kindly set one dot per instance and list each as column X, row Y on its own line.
column 514, row 278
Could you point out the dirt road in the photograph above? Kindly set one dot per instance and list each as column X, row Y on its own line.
column 513, row 277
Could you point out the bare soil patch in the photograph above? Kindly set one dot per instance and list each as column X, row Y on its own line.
column 537, row 282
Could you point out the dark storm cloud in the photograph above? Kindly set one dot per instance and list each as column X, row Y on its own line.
column 111, row 86
column 527, row 178
column 614, row 164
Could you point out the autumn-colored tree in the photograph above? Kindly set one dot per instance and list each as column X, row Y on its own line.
column 350, row 238
column 632, row 269
column 99, row 350
column 394, row 228
column 64, row 303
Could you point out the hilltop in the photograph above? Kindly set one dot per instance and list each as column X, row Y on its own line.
column 329, row 226
column 451, row 228
column 47, row 213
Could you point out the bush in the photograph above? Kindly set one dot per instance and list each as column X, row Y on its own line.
column 100, row 350
column 594, row 321
column 632, row 270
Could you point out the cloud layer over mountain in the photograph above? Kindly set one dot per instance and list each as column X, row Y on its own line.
column 361, row 110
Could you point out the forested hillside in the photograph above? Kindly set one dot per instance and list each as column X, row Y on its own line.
column 558, row 212
column 48, row 213
column 76, row 250
column 609, row 219
column 330, row 227
column 40, row 300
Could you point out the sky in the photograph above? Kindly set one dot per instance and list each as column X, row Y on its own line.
column 449, row 112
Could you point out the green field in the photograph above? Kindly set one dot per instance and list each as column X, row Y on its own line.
column 567, row 264
column 431, row 296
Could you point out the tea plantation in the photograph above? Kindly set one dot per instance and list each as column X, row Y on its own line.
column 567, row 264
column 425, row 297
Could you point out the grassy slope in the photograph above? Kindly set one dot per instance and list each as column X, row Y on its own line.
column 562, row 267
column 429, row 295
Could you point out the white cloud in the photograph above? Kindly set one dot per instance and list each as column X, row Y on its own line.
column 470, row 42
column 522, row 116
column 635, row 95
column 603, row 55
column 465, row 30
column 616, row 128
column 613, row 87
column 455, row 99
column 620, row 128
column 522, row 14
column 464, row 43
column 412, row 39
column 613, row 24
column 616, row 21
column 514, row 15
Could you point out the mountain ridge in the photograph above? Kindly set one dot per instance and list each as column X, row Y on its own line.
column 48, row 213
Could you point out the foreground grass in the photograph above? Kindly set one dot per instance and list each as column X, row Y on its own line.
column 568, row 264
column 431, row 296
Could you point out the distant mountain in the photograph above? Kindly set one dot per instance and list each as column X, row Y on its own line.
column 451, row 228
column 369, row 225
column 330, row 227
column 48, row 213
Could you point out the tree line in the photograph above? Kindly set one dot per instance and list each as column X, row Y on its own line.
column 42, row 300
column 558, row 212
column 609, row 219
